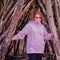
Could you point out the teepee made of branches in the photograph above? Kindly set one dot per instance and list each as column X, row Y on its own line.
column 15, row 14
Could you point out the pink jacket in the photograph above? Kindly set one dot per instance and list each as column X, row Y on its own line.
column 35, row 37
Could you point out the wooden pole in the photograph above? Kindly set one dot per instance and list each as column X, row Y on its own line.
column 53, row 29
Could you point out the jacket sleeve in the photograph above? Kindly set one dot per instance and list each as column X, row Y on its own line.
column 21, row 34
column 47, row 36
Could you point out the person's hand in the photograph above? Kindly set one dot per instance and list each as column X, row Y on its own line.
column 52, row 36
column 15, row 37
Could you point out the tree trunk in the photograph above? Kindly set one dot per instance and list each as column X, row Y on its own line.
column 11, row 30
column 57, row 15
column 53, row 29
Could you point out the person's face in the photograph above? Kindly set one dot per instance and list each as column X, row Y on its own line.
column 37, row 18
